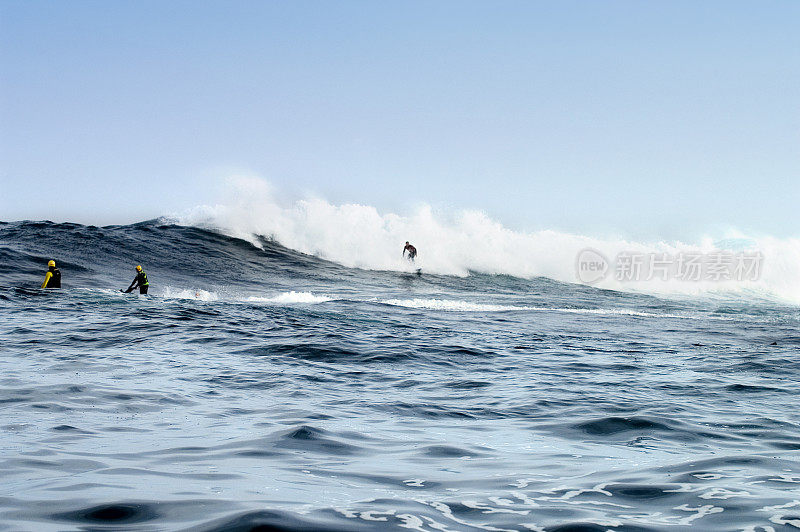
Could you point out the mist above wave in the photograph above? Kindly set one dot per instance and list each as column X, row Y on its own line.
column 460, row 242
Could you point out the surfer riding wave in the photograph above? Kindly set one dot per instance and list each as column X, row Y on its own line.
column 412, row 251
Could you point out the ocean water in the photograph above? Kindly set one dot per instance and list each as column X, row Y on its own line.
column 261, row 388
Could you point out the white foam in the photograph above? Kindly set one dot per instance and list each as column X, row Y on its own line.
column 187, row 293
column 450, row 305
column 462, row 241
column 105, row 291
column 466, row 306
column 288, row 298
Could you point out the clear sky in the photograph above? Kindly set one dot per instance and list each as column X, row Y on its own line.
column 663, row 118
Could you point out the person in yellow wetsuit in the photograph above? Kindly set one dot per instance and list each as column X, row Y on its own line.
column 139, row 281
column 52, row 279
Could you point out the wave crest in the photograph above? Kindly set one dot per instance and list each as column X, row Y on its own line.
column 469, row 241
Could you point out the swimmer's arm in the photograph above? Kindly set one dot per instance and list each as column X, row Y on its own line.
column 133, row 285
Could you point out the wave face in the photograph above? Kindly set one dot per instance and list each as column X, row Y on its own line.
column 283, row 376
column 464, row 242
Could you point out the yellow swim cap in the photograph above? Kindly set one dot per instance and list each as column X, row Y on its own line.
column 52, row 264
column 138, row 268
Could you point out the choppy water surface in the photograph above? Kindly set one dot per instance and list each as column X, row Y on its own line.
column 261, row 387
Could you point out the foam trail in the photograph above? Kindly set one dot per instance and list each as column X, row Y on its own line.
column 186, row 293
column 456, row 244
column 288, row 298
column 466, row 306
column 451, row 305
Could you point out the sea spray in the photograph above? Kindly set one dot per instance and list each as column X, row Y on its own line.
column 464, row 241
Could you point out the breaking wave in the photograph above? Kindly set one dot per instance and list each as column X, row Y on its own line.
column 466, row 241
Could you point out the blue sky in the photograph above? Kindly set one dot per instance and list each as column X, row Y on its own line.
column 663, row 119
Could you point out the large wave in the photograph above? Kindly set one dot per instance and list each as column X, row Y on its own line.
column 465, row 241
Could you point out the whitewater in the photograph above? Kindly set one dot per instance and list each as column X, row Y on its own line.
column 289, row 370
column 461, row 242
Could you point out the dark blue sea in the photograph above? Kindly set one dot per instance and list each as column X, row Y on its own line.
column 258, row 388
